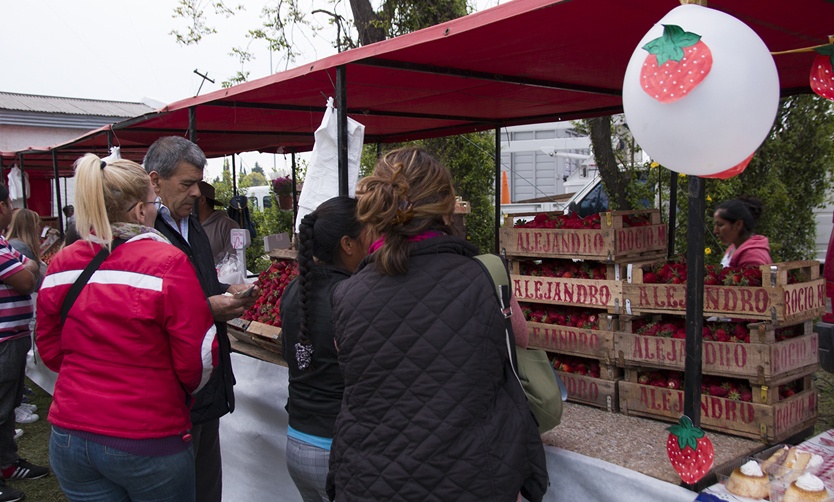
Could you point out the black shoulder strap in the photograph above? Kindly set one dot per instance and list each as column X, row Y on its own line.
column 496, row 269
column 82, row 280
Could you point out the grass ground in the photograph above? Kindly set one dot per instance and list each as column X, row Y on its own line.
column 34, row 447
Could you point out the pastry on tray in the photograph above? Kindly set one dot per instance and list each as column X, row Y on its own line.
column 808, row 488
column 749, row 481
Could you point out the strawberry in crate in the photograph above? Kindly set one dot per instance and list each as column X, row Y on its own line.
column 561, row 315
column 564, row 268
column 272, row 282
column 577, row 365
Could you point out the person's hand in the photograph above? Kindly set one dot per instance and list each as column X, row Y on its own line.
column 250, row 298
column 226, row 307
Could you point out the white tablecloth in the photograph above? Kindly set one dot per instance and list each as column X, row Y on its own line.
column 253, row 441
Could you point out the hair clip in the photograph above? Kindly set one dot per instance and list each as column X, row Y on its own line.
column 405, row 212
column 103, row 164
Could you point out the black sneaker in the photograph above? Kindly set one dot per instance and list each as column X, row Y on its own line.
column 24, row 470
column 9, row 494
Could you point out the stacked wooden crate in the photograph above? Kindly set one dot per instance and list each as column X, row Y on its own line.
column 565, row 272
column 759, row 350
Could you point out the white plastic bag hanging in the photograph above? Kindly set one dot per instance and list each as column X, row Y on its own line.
column 17, row 183
column 322, row 181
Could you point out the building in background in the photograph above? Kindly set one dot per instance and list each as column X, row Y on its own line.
column 40, row 121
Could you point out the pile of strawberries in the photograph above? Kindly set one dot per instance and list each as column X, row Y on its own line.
column 674, row 272
column 272, row 282
column 738, row 390
column 562, row 315
column 675, row 327
column 555, row 267
column 661, row 378
column 578, row 365
column 574, row 221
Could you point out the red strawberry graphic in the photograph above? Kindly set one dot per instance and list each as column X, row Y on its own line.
column 689, row 450
column 822, row 74
column 677, row 62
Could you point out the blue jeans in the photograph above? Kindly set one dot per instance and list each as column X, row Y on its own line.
column 90, row 472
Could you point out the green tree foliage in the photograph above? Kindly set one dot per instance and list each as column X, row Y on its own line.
column 792, row 173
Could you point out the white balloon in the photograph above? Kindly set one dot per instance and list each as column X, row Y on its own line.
column 726, row 117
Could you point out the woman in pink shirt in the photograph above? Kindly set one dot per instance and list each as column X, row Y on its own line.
column 735, row 221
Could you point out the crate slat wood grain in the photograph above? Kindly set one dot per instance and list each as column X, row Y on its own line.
column 612, row 242
column 770, row 423
column 760, row 363
column 592, row 391
column 593, row 343
column 775, row 301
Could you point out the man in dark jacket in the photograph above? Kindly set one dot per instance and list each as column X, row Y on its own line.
column 175, row 166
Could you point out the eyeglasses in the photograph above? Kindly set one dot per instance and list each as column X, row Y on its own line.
column 156, row 202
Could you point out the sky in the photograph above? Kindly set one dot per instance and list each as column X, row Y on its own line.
column 124, row 51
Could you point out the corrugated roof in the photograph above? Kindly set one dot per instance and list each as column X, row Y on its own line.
column 71, row 106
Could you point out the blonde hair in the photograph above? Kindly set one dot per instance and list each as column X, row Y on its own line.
column 26, row 227
column 409, row 193
column 105, row 194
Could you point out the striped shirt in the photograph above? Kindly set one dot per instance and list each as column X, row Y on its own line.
column 15, row 309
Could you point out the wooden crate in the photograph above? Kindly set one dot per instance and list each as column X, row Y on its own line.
column 775, row 301
column 760, row 363
column 592, row 391
column 256, row 333
column 612, row 242
column 770, row 423
column 594, row 293
column 761, row 393
column 594, row 343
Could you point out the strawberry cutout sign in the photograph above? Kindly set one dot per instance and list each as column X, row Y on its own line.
column 677, row 62
column 822, row 73
column 690, row 450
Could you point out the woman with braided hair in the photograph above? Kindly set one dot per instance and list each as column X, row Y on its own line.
column 431, row 408
column 331, row 245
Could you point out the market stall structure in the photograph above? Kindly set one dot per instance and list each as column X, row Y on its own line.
column 534, row 63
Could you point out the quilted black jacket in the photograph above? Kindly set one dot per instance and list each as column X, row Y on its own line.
column 431, row 410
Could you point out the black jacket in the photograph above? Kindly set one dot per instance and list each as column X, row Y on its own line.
column 315, row 394
column 217, row 398
column 431, row 409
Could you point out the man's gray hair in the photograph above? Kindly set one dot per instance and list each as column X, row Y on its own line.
column 165, row 154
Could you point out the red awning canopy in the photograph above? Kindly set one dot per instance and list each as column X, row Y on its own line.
column 526, row 61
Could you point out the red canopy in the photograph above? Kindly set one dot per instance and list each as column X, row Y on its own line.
column 526, row 61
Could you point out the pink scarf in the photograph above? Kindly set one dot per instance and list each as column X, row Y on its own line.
column 428, row 234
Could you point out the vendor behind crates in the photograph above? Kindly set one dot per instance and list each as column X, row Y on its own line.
column 735, row 221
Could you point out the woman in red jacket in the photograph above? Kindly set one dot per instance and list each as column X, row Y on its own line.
column 134, row 346
column 735, row 221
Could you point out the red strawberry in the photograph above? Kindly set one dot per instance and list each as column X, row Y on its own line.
column 822, row 73
column 717, row 390
column 677, row 62
column 674, row 383
column 643, row 379
column 721, row 335
column 649, row 278
column 746, row 396
column 690, row 450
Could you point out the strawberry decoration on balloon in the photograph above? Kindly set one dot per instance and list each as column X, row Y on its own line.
column 690, row 450
column 677, row 62
column 822, row 73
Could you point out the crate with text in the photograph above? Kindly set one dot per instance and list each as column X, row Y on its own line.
column 610, row 236
column 571, row 330
column 781, row 293
column 559, row 281
column 731, row 348
column 728, row 406
column 588, row 381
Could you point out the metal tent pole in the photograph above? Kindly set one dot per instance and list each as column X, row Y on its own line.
column 234, row 176
column 497, row 188
column 58, row 192
column 694, row 299
column 673, row 212
column 341, row 114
